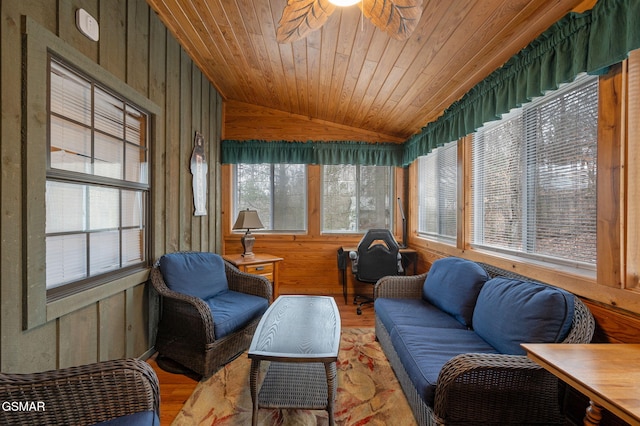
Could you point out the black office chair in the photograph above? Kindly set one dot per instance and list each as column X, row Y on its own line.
column 378, row 256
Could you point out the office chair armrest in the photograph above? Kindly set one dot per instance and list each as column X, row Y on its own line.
column 353, row 255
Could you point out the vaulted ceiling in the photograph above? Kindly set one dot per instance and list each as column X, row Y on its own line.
column 349, row 72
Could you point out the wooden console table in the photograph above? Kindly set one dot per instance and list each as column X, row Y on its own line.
column 259, row 264
column 608, row 374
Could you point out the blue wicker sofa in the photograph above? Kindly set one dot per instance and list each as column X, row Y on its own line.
column 453, row 339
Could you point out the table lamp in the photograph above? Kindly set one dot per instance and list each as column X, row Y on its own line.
column 248, row 219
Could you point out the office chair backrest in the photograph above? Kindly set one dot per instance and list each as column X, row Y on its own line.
column 378, row 256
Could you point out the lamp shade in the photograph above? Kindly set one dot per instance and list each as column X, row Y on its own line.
column 248, row 219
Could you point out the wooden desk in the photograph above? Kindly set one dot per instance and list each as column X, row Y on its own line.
column 260, row 264
column 606, row 373
column 409, row 258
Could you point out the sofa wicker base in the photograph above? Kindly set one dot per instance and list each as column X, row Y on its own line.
column 423, row 414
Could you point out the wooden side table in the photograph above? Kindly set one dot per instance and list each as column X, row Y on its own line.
column 607, row 373
column 260, row 264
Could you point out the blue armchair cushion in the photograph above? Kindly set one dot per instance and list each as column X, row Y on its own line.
column 424, row 350
column 141, row 418
column 510, row 312
column 232, row 310
column 453, row 285
column 393, row 312
column 197, row 274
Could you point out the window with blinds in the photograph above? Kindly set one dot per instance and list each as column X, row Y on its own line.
column 437, row 193
column 356, row 198
column 97, row 189
column 278, row 192
column 534, row 178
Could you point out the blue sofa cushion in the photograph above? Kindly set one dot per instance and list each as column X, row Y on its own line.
column 232, row 310
column 392, row 312
column 453, row 285
column 141, row 418
column 424, row 350
column 509, row 312
column 196, row 274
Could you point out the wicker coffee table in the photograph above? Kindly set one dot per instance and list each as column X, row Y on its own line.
column 300, row 336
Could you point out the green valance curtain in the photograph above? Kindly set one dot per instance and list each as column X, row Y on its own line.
column 312, row 152
column 587, row 42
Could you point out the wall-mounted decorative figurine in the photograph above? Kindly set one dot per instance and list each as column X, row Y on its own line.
column 199, row 171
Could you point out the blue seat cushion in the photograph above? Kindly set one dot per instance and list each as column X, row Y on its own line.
column 510, row 312
column 197, row 274
column 453, row 285
column 424, row 350
column 392, row 312
column 232, row 310
column 141, row 418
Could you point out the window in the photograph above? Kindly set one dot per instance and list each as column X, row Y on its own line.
column 278, row 192
column 97, row 186
column 356, row 198
column 534, row 178
column 438, row 193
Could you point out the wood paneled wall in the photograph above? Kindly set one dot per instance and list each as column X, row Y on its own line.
column 246, row 122
column 136, row 48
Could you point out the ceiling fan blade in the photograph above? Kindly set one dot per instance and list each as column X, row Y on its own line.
column 300, row 17
column 398, row 18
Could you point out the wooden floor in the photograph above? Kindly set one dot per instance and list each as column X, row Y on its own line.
column 175, row 389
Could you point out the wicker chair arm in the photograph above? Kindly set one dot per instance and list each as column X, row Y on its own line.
column 248, row 283
column 187, row 312
column 478, row 388
column 400, row 287
column 583, row 325
column 82, row 395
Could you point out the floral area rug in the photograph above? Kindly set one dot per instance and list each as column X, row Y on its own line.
column 368, row 392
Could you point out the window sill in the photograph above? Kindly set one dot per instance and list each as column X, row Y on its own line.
column 74, row 302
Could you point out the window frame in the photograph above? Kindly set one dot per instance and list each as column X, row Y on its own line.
column 235, row 207
column 358, row 231
column 524, row 253
column 94, row 179
column 453, row 146
column 39, row 43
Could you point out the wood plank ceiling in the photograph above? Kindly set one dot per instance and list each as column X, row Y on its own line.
column 349, row 72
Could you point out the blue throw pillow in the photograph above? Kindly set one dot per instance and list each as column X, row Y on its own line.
column 510, row 312
column 453, row 285
column 196, row 274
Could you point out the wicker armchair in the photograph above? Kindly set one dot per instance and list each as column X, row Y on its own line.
column 81, row 395
column 186, row 332
column 483, row 388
